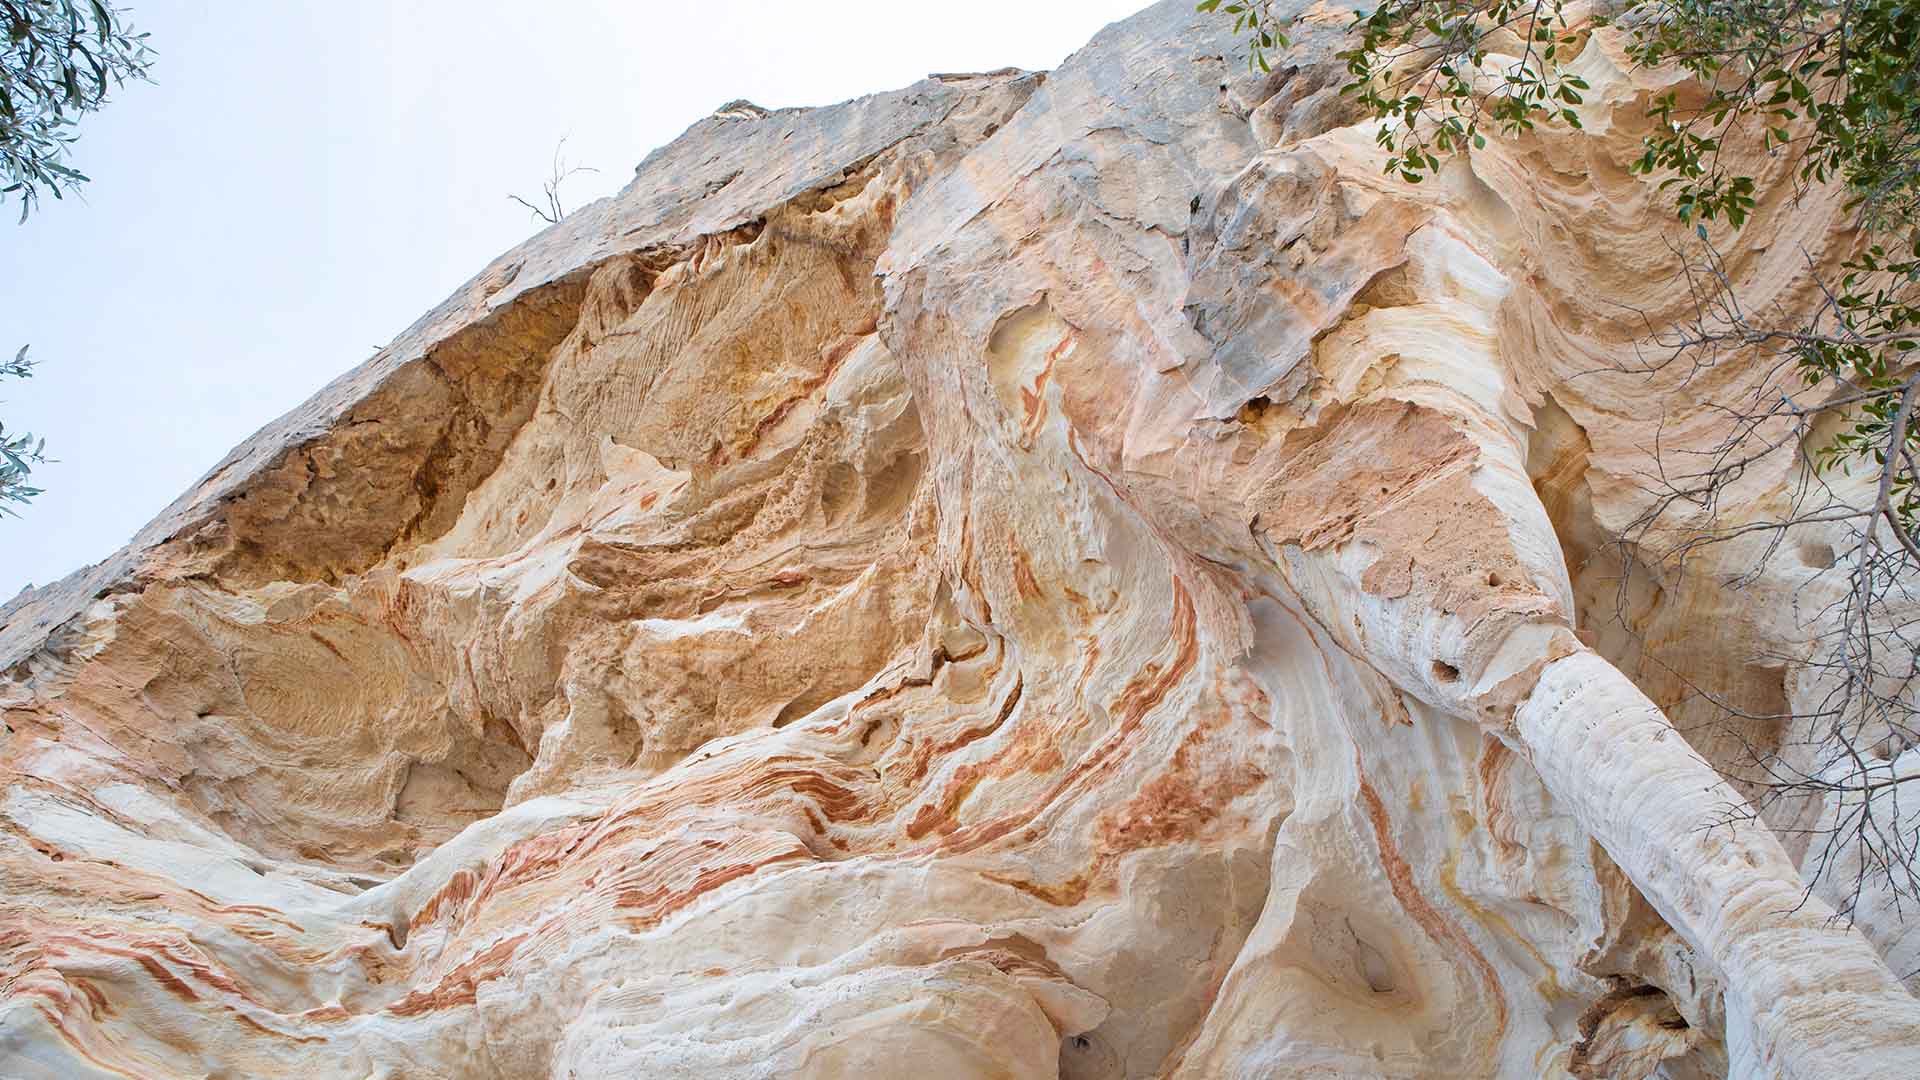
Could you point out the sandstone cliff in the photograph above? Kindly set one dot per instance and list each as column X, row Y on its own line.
column 1026, row 575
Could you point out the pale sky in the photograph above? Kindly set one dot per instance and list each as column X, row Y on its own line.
column 304, row 178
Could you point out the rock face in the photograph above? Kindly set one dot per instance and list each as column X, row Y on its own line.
column 1021, row 576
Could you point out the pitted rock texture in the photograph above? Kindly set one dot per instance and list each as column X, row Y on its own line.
column 1027, row 575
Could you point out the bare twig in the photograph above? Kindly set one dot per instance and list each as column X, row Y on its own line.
column 1833, row 757
column 553, row 212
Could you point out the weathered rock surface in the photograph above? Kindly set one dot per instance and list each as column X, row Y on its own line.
column 1021, row 576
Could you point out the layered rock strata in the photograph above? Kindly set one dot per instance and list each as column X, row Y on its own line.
column 1027, row 575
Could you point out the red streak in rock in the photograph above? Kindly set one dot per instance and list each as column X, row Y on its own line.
column 1023, row 579
column 97, row 1006
column 461, row 986
column 328, row 645
column 265, row 1030
column 971, row 734
column 1142, row 693
column 929, row 818
column 457, row 890
column 1437, row 927
column 663, row 902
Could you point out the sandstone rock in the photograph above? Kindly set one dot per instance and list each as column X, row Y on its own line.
column 1019, row 576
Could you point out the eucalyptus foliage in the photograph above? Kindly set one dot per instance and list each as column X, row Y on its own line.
column 58, row 60
column 20, row 451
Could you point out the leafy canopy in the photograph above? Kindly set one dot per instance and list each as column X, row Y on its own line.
column 58, row 59
column 19, row 452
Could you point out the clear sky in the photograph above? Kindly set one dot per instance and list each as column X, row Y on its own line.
column 304, row 178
